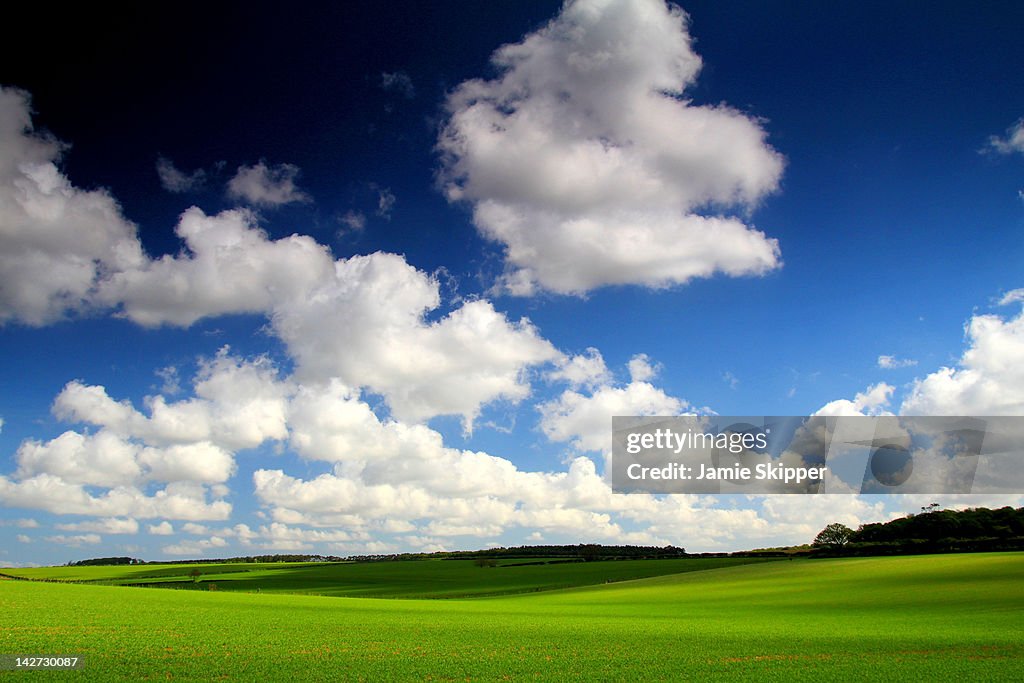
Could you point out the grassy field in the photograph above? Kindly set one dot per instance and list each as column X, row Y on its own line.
column 409, row 579
column 902, row 618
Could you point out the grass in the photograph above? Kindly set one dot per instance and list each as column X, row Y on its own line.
column 902, row 618
column 409, row 579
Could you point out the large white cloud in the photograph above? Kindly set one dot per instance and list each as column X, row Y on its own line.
column 585, row 160
column 367, row 325
column 237, row 404
column 362, row 319
column 230, row 267
column 57, row 242
column 186, row 446
column 987, row 380
column 51, row 493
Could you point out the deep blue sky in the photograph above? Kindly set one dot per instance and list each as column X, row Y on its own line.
column 896, row 218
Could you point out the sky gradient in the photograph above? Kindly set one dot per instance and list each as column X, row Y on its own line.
column 368, row 279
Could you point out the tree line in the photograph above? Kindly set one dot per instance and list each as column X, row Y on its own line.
column 583, row 552
column 933, row 530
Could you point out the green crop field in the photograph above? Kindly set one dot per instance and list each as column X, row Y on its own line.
column 408, row 579
column 940, row 617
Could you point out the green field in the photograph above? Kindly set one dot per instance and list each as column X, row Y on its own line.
column 936, row 617
column 408, row 579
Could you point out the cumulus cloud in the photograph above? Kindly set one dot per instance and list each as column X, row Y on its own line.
column 51, row 493
column 109, row 525
column 392, row 484
column 267, row 186
column 195, row 548
column 361, row 319
column 229, row 267
column 187, row 446
column 101, row 459
column 1012, row 141
column 988, row 379
column 585, row 160
column 582, row 370
column 177, row 181
column 57, row 242
column 366, row 325
column 76, row 541
column 871, row 401
column 585, row 419
column 164, row 528
column 237, row 404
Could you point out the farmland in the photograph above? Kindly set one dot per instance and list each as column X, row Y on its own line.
column 911, row 618
column 409, row 579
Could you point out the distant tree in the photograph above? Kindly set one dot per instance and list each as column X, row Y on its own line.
column 834, row 534
column 485, row 562
column 195, row 574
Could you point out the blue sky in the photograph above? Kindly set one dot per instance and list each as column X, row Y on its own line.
column 371, row 279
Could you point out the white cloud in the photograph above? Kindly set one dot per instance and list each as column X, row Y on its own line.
column 366, row 326
column 872, row 401
column 230, row 267
column 894, row 363
column 583, row 370
column 22, row 538
column 164, row 528
column 642, row 369
column 1014, row 296
column 189, row 445
column 587, row 163
column 360, row 319
column 109, row 525
column 75, row 541
column 585, row 420
column 23, row 523
column 174, row 180
column 987, row 380
column 57, row 242
column 171, row 380
column 177, row 500
column 354, row 221
column 200, row 462
column 1012, row 141
column 196, row 548
column 101, row 459
column 267, row 186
